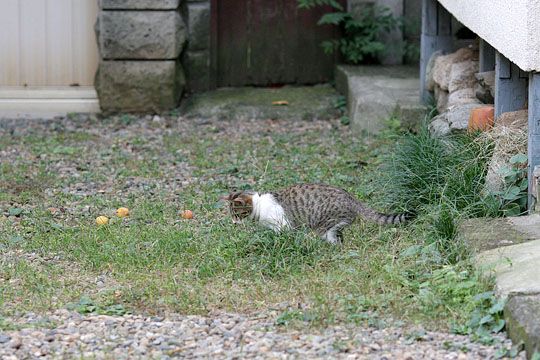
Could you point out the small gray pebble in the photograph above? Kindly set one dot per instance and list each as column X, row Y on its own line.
column 4, row 338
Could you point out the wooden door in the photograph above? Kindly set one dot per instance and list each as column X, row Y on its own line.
column 47, row 43
column 269, row 42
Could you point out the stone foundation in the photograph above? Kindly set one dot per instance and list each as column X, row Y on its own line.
column 140, row 44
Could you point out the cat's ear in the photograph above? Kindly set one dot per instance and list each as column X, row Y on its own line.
column 239, row 200
column 225, row 197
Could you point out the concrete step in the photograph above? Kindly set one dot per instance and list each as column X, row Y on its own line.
column 375, row 93
column 509, row 249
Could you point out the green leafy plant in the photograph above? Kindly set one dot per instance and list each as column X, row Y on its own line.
column 85, row 305
column 360, row 41
column 513, row 197
column 486, row 319
column 341, row 106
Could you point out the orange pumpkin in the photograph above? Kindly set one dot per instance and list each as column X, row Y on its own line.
column 481, row 119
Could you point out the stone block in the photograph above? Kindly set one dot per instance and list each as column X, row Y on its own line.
column 375, row 93
column 141, row 34
column 197, row 65
column 139, row 86
column 139, row 4
column 199, row 26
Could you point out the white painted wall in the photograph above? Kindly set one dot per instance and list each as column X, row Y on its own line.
column 510, row 26
column 48, row 42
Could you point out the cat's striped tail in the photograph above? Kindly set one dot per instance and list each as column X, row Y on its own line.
column 380, row 218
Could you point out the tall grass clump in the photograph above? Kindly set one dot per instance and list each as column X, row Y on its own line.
column 442, row 179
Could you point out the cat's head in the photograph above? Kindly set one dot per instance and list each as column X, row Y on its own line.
column 240, row 204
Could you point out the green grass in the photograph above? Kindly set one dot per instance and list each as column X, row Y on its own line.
column 154, row 261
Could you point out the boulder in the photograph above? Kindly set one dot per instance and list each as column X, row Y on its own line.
column 144, row 35
column 442, row 99
column 443, row 65
column 463, row 96
column 454, row 120
column 430, row 82
column 462, row 75
column 439, row 126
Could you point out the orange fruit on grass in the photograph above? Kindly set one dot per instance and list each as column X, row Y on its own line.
column 187, row 214
column 122, row 212
column 102, row 220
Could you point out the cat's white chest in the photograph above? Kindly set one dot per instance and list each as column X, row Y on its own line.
column 269, row 212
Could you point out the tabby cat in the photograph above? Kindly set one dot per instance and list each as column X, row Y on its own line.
column 323, row 208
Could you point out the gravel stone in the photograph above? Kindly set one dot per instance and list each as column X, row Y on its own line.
column 4, row 338
column 178, row 336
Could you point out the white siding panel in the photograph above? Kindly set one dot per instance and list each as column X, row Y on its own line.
column 9, row 42
column 59, row 50
column 85, row 50
column 48, row 42
column 33, row 42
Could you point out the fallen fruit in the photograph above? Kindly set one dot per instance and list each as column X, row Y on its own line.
column 122, row 212
column 187, row 214
column 102, row 220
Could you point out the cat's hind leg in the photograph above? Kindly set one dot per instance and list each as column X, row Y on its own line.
column 334, row 234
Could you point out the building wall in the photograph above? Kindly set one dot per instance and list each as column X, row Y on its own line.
column 515, row 31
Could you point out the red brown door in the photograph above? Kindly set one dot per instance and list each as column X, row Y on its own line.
column 269, row 42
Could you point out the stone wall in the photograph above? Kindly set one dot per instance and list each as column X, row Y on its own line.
column 196, row 58
column 140, row 44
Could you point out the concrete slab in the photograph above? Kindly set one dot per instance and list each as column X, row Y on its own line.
column 522, row 313
column 47, row 102
column 375, row 93
column 509, row 249
column 516, row 268
column 303, row 103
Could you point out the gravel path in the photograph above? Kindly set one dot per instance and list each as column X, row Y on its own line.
column 67, row 335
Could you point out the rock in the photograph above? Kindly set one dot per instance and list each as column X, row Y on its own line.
column 430, row 82
column 139, row 4
column 442, row 99
column 458, row 116
column 463, row 96
column 483, row 94
column 15, row 343
column 139, row 86
column 485, row 87
column 462, row 75
column 443, row 65
column 4, row 338
column 439, row 126
column 142, row 35
column 454, row 120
